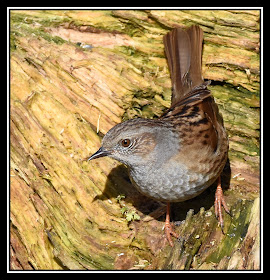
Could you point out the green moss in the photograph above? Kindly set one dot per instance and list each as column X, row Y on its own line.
column 41, row 17
column 26, row 30
column 98, row 262
column 235, row 231
column 13, row 40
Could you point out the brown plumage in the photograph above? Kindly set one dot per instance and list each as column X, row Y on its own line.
column 190, row 96
column 193, row 111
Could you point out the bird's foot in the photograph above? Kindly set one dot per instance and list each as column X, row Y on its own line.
column 219, row 202
column 169, row 233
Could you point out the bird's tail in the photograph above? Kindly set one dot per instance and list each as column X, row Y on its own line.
column 183, row 49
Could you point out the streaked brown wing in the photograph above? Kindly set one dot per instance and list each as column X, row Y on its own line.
column 198, row 114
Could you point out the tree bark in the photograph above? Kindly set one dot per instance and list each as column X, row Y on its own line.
column 74, row 75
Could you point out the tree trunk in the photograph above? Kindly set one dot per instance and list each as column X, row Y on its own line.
column 74, row 75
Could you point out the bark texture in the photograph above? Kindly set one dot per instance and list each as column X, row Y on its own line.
column 74, row 75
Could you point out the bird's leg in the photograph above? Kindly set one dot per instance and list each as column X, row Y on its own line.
column 219, row 202
column 168, row 227
column 156, row 213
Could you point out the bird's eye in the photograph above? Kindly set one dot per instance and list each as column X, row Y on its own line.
column 125, row 143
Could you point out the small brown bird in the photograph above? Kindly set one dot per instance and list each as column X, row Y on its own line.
column 177, row 156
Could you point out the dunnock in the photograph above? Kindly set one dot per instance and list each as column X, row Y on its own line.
column 177, row 156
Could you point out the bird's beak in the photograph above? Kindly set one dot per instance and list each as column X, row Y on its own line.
column 100, row 153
